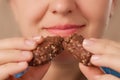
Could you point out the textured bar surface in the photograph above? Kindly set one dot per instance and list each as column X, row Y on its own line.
column 73, row 44
column 52, row 46
column 47, row 50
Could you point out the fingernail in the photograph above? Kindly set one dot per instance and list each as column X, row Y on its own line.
column 89, row 42
column 26, row 54
column 95, row 58
column 37, row 38
column 30, row 42
column 21, row 63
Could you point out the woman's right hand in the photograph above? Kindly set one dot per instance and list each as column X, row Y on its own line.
column 14, row 55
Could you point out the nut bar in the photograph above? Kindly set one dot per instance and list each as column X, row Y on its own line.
column 47, row 50
column 52, row 46
column 73, row 44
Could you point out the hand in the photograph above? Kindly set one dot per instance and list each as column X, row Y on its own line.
column 14, row 55
column 106, row 53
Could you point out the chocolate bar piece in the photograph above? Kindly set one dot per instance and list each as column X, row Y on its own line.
column 52, row 46
column 47, row 50
column 73, row 44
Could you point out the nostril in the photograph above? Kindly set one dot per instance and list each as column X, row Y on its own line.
column 69, row 11
column 54, row 12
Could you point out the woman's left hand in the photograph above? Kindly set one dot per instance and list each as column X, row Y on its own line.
column 106, row 54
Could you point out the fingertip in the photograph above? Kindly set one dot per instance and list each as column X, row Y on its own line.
column 30, row 42
column 30, row 56
column 95, row 59
column 33, row 42
column 90, row 72
column 23, row 65
column 38, row 39
column 27, row 55
column 89, row 44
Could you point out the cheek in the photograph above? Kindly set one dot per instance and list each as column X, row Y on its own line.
column 97, row 14
column 95, row 9
column 31, row 11
column 29, row 14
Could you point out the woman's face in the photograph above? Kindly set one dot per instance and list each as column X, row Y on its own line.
column 62, row 17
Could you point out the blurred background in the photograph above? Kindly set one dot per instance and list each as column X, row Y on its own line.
column 8, row 26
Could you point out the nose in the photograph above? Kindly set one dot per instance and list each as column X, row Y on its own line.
column 62, row 7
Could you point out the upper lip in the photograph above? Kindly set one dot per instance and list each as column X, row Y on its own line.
column 64, row 27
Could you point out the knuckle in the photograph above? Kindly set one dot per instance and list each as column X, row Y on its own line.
column 110, row 47
column 108, row 77
column 10, row 43
column 106, row 45
column 5, row 72
column 10, row 56
column 17, row 43
column 104, row 77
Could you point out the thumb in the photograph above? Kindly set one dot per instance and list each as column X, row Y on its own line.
column 91, row 72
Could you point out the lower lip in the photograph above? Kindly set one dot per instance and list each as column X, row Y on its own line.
column 62, row 32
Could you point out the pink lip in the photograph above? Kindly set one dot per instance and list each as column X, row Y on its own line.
column 63, row 30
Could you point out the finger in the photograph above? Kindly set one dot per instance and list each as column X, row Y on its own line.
column 106, row 77
column 38, row 39
column 91, row 72
column 111, row 61
column 11, row 69
column 18, row 43
column 100, row 46
column 41, row 69
column 14, row 56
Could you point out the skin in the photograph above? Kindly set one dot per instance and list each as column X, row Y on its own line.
column 34, row 15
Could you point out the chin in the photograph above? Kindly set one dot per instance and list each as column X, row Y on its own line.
column 64, row 58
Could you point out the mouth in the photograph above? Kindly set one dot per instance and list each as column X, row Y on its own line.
column 63, row 30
